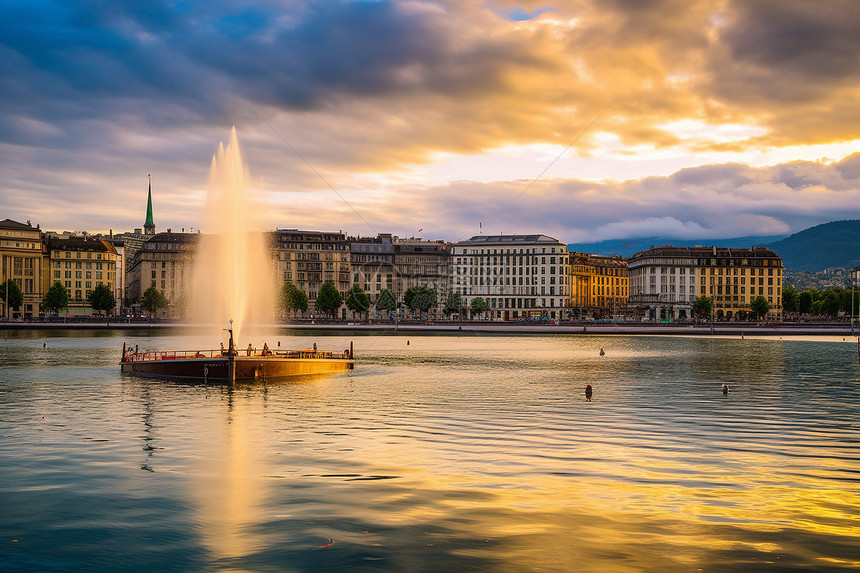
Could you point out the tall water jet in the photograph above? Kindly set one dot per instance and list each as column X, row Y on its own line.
column 233, row 277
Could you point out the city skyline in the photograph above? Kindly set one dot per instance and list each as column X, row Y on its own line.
column 581, row 120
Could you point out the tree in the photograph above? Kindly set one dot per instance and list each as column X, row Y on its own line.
column 328, row 299
column 479, row 306
column 830, row 304
column 56, row 298
column 790, row 299
column 152, row 300
column 101, row 298
column 289, row 298
column 11, row 294
column 300, row 301
column 759, row 306
column 420, row 298
column 453, row 304
column 703, row 306
column 385, row 301
column 357, row 300
column 805, row 300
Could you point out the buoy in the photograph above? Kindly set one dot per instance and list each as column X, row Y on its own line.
column 407, row 343
column 602, row 352
column 588, row 392
column 725, row 390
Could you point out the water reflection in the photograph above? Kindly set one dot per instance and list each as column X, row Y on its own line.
column 448, row 454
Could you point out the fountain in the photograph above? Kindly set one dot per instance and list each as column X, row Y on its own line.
column 233, row 282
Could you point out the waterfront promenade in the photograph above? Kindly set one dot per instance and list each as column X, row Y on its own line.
column 324, row 327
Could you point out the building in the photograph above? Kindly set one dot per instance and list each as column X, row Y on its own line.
column 164, row 262
column 520, row 276
column 665, row 281
column 372, row 264
column 21, row 260
column 310, row 258
column 80, row 263
column 133, row 242
column 420, row 263
column 598, row 285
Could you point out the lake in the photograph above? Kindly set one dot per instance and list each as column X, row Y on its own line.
column 437, row 453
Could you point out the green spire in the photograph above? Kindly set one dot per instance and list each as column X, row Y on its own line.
column 149, row 225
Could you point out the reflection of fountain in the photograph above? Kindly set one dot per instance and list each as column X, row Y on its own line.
column 232, row 278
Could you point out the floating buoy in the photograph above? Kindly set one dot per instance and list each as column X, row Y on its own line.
column 725, row 390
column 602, row 352
column 588, row 392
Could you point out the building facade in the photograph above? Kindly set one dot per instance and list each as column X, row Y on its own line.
column 80, row 263
column 420, row 263
column 520, row 276
column 665, row 281
column 310, row 258
column 372, row 264
column 165, row 262
column 21, row 261
column 598, row 285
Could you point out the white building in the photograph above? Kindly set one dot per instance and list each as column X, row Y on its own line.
column 520, row 276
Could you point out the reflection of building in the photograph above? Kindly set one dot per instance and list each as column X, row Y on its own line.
column 21, row 258
column 598, row 285
column 420, row 263
column 665, row 281
column 80, row 263
column 164, row 262
column 310, row 258
column 520, row 276
column 372, row 264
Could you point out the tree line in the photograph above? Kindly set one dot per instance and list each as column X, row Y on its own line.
column 813, row 302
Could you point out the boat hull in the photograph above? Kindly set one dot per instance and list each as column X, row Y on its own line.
column 233, row 368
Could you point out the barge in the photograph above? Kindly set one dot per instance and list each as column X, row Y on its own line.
column 231, row 365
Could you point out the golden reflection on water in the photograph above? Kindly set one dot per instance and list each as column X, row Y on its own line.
column 487, row 471
column 229, row 484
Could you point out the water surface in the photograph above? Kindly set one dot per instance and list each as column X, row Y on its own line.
column 441, row 453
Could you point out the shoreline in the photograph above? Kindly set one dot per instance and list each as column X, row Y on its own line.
column 486, row 328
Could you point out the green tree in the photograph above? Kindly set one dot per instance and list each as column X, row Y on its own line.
column 357, row 300
column 288, row 297
column 805, row 300
column 300, row 301
column 101, row 298
column 328, row 299
column 453, row 304
column 479, row 306
column 790, row 299
column 759, row 306
column 153, row 300
column 830, row 303
column 385, row 301
column 11, row 294
column 420, row 298
column 56, row 298
column 815, row 309
column 703, row 306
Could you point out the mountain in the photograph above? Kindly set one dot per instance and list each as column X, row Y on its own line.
column 629, row 247
column 835, row 244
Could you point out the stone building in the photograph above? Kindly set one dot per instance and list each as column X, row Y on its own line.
column 520, row 276
column 665, row 281
column 372, row 264
column 420, row 263
column 165, row 262
column 21, row 260
column 80, row 263
column 598, row 285
column 310, row 258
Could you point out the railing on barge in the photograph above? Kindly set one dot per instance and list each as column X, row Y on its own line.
column 256, row 353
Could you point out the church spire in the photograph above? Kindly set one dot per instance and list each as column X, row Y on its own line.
column 149, row 225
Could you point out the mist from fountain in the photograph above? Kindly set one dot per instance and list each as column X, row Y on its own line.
column 233, row 275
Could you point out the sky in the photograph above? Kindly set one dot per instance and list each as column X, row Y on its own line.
column 584, row 120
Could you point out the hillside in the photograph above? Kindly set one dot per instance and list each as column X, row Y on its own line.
column 835, row 244
column 629, row 247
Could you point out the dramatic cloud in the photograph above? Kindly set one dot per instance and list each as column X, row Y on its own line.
column 342, row 106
